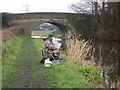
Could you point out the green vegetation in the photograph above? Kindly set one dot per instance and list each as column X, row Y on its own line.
column 58, row 36
column 21, row 52
column 46, row 33
column 42, row 32
column 64, row 75
column 39, row 72
column 74, row 75
column 11, row 50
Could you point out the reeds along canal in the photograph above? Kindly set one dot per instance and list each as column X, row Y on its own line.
column 108, row 61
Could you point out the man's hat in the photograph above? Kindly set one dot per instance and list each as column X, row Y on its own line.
column 50, row 35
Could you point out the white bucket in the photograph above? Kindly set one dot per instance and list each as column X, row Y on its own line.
column 48, row 63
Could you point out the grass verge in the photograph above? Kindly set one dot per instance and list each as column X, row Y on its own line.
column 42, row 32
column 74, row 75
column 22, row 56
column 76, row 71
column 64, row 75
column 46, row 33
column 11, row 49
column 39, row 72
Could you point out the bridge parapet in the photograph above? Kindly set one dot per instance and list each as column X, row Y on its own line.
column 41, row 15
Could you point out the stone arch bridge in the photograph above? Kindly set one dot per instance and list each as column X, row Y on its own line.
column 29, row 20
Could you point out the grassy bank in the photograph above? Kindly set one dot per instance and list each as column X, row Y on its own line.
column 76, row 71
column 74, row 75
column 10, row 51
column 21, row 65
column 39, row 72
column 64, row 75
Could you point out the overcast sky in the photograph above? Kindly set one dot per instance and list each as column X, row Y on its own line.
column 18, row 6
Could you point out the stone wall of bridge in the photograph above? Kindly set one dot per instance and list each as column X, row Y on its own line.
column 29, row 20
column 41, row 15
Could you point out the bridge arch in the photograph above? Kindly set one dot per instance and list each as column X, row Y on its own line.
column 63, row 24
column 63, row 29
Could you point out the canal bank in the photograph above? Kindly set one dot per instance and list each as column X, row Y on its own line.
column 25, row 71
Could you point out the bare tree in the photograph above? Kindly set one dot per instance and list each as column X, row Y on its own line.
column 82, row 7
column 104, row 14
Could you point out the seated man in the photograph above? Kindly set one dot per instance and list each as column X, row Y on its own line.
column 48, row 46
column 49, row 42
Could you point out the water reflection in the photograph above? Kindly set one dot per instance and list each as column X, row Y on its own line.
column 107, row 58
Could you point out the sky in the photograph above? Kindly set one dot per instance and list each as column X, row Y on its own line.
column 19, row 6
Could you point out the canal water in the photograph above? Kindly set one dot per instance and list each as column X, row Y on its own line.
column 107, row 58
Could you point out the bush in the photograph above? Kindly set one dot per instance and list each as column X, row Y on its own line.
column 91, row 74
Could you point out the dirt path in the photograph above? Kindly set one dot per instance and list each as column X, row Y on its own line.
column 30, row 74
